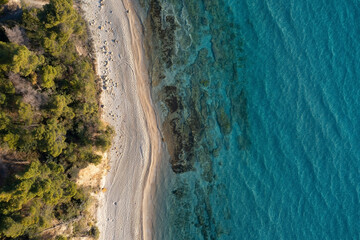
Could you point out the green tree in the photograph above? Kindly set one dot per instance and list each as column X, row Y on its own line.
column 51, row 45
column 51, row 137
column 103, row 140
column 25, row 206
column 7, row 51
column 59, row 107
column 35, row 29
column 64, row 133
column 25, row 62
column 49, row 73
column 4, row 121
column 6, row 86
column 95, row 232
column 59, row 11
column 27, row 141
column 25, row 113
column 30, row 19
column 11, row 139
column 11, row 228
column 18, row 59
column 2, row 98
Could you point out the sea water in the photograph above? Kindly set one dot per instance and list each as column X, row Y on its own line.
column 260, row 105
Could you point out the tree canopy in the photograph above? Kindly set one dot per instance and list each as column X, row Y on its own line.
column 50, row 123
column 59, row 11
column 42, row 186
column 18, row 59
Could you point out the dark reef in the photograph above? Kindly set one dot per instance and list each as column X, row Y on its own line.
column 183, row 132
column 200, row 89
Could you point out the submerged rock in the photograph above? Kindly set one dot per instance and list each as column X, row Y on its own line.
column 223, row 121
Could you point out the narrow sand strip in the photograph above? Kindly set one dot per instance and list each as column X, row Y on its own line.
column 124, row 208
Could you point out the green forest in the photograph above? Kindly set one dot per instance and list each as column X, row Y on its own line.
column 50, row 124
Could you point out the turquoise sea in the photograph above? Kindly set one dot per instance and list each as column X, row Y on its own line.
column 260, row 104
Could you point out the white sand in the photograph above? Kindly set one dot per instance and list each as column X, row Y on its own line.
column 128, row 108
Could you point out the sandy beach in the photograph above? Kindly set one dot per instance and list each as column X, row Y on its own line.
column 124, row 211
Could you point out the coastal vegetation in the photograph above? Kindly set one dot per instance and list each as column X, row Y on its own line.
column 50, row 125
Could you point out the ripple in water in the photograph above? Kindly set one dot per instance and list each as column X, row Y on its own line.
column 258, row 104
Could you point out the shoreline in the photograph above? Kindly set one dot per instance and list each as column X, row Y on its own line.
column 124, row 210
column 144, row 88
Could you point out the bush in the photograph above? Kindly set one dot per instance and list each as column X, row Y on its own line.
column 2, row 98
column 59, row 11
column 25, row 113
column 11, row 228
column 94, row 232
column 103, row 141
column 18, row 59
column 57, row 132
column 31, row 21
column 6, row 86
column 4, row 121
column 49, row 73
column 11, row 139
column 25, row 61
column 41, row 186
column 51, row 137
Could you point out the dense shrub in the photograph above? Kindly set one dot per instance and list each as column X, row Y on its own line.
column 41, row 186
column 49, row 119
column 94, row 231
column 49, row 73
column 18, row 59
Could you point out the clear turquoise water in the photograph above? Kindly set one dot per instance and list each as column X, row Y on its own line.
column 287, row 76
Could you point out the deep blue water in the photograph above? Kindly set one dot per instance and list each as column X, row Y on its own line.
column 284, row 161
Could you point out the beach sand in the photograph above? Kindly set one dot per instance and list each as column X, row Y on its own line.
column 125, row 207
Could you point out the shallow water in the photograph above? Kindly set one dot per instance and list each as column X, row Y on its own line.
column 264, row 98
